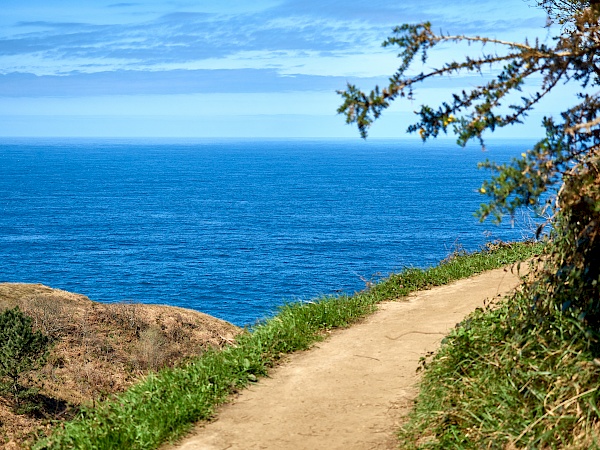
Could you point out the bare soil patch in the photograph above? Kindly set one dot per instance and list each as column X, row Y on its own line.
column 353, row 390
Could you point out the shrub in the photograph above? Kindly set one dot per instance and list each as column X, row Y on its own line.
column 21, row 350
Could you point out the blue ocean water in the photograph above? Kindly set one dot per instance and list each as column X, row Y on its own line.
column 234, row 228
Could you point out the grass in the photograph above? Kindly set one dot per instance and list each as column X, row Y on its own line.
column 508, row 378
column 166, row 404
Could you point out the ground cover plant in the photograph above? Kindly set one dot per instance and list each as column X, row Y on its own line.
column 167, row 403
column 524, row 374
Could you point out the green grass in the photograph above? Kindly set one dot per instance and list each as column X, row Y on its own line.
column 164, row 405
column 510, row 378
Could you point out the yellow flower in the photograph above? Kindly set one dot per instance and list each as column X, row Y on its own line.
column 448, row 120
column 422, row 132
column 482, row 190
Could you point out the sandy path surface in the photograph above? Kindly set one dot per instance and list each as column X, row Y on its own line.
column 353, row 390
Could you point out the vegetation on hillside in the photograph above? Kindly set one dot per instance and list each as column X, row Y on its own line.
column 167, row 403
column 504, row 378
column 524, row 374
column 95, row 351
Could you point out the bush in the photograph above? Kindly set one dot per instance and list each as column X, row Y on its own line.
column 21, row 350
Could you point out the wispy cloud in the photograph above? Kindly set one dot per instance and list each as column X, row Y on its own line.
column 184, row 59
column 273, row 40
column 166, row 82
column 122, row 5
column 183, row 36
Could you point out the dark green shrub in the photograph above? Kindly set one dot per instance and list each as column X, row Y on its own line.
column 21, row 351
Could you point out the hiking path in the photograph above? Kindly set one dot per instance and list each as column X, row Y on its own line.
column 353, row 390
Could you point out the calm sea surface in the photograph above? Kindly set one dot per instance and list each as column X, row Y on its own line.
column 234, row 228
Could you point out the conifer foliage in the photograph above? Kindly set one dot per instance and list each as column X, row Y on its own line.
column 21, row 350
column 560, row 172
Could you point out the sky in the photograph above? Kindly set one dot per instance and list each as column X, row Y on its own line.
column 224, row 68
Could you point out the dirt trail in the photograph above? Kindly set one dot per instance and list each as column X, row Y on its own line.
column 351, row 391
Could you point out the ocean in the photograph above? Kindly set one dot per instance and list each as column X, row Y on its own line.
column 232, row 227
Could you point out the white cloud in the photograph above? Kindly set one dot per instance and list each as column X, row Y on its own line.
column 232, row 58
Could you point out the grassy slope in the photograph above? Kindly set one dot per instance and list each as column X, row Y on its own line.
column 507, row 379
column 166, row 404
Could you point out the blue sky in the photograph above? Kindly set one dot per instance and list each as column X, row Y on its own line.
column 227, row 68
